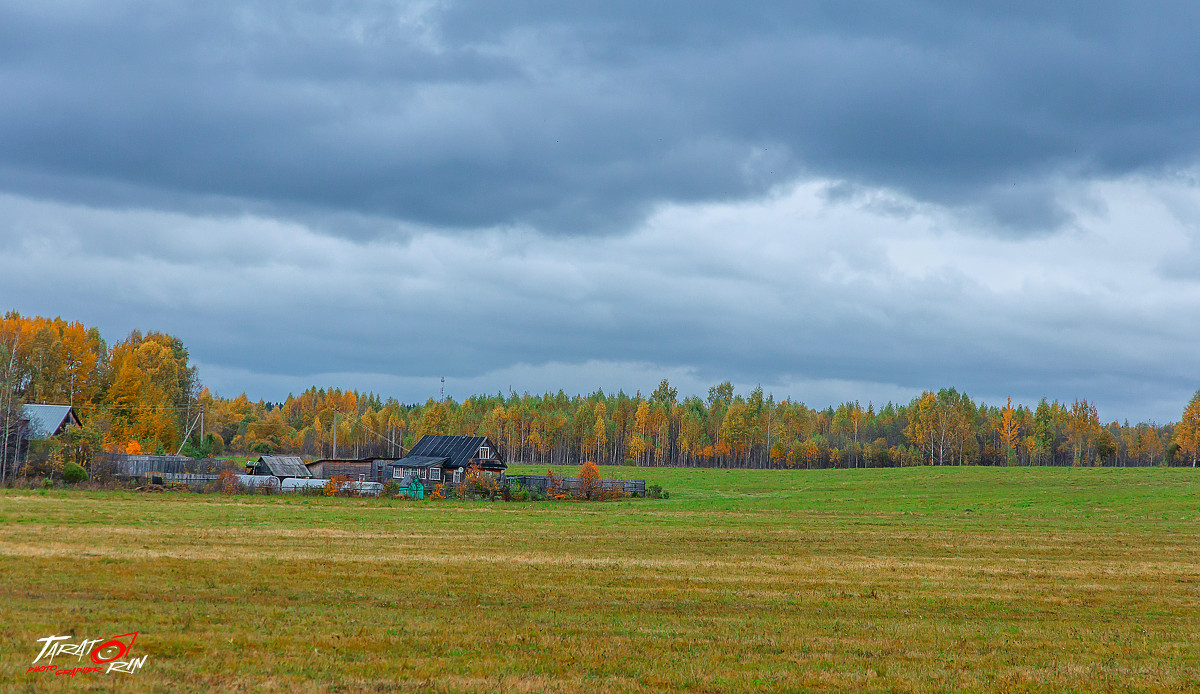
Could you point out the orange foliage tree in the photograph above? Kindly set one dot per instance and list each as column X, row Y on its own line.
column 589, row 481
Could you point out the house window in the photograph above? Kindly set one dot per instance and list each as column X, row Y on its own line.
column 458, row 476
column 435, row 474
column 422, row 474
column 485, row 453
column 397, row 473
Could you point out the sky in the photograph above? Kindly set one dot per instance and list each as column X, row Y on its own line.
column 836, row 201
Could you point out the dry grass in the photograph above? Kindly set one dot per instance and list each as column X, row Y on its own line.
column 910, row 580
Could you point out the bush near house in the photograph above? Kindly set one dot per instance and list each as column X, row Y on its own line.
column 73, row 473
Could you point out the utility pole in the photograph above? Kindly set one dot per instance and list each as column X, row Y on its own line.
column 443, row 389
column 335, row 433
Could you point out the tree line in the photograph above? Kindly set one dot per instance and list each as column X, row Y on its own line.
column 142, row 394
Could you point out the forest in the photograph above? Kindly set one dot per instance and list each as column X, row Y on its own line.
column 143, row 395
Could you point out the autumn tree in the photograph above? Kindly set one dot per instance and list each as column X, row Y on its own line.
column 664, row 393
column 940, row 424
column 1008, row 431
column 589, row 481
column 600, row 429
column 152, row 387
column 1187, row 432
column 1083, row 425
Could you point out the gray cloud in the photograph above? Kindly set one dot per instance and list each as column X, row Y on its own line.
column 580, row 117
column 812, row 298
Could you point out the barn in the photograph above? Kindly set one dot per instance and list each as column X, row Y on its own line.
column 354, row 468
column 437, row 459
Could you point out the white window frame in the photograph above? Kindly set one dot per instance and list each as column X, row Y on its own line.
column 458, row 475
column 396, row 473
column 435, row 474
column 485, row 453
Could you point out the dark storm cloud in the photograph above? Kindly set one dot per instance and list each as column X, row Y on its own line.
column 575, row 117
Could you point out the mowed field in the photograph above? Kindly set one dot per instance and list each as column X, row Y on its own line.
column 909, row 580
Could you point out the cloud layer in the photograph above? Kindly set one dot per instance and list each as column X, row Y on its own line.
column 835, row 201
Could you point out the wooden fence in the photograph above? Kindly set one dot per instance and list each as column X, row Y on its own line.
column 144, row 465
column 572, row 485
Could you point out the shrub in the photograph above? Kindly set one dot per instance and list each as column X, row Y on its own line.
column 478, row 484
column 390, row 489
column 655, row 491
column 45, row 459
column 519, row 492
column 74, row 473
column 439, row 492
column 554, row 488
column 228, row 483
column 336, row 485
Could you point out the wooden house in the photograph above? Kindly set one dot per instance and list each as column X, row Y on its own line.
column 41, row 422
column 45, row 421
column 439, row 459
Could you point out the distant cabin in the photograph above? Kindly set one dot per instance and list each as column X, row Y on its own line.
column 40, row 422
column 437, row 459
column 281, row 466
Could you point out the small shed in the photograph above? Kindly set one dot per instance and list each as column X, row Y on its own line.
column 411, row 486
column 280, row 466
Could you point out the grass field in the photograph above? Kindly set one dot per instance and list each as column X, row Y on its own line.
column 909, row 580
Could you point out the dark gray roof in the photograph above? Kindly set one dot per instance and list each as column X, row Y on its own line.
column 283, row 466
column 419, row 461
column 46, row 420
column 407, row 480
column 457, row 449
